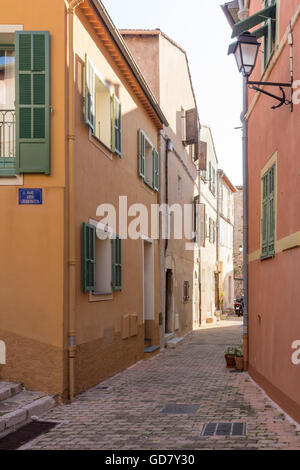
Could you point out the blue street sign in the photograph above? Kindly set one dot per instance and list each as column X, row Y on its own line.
column 31, row 196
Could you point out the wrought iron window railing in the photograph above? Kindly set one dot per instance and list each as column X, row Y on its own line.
column 7, row 141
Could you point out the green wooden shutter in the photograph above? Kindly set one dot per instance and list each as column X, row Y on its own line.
column 116, row 264
column 32, row 101
column 254, row 20
column 116, row 126
column 88, row 257
column 268, row 214
column 141, row 153
column 155, row 170
column 210, row 176
column 90, row 94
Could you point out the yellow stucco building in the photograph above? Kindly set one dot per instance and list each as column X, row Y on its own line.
column 79, row 127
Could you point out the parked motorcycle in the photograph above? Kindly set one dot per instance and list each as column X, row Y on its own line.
column 239, row 306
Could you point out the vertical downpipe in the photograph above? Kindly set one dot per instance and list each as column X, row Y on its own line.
column 72, row 250
column 245, row 221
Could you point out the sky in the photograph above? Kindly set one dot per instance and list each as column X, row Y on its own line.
column 200, row 27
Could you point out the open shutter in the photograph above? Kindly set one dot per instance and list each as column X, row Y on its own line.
column 271, row 238
column 191, row 122
column 32, row 101
column 88, row 257
column 116, row 264
column 89, row 94
column 116, row 126
column 141, row 153
column 155, row 170
column 202, row 225
column 254, row 20
column 202, row 148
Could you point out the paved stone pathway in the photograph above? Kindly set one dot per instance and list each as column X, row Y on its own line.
column 127, row 415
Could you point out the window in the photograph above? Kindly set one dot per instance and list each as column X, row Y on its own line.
column 7, row 110
column 25, row 99
column 148, row 161
column 268, row 213
column 101, row 261
column 103, row 111
column 186, row 291
column 270, row 29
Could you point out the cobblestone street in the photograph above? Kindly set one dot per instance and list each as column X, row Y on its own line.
column 125, row 412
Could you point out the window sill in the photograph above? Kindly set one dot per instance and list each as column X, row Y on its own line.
column 98, row 297
column 271, row 256
column 11, row 180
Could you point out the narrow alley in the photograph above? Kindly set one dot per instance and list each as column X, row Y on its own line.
column 132, row 410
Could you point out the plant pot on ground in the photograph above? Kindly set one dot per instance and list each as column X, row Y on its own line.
column 230, row 357
column 239, row 359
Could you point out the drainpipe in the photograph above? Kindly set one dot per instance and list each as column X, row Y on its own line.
column 72, row 253
column 244, row 9
column 245, row 221
column 168, row 141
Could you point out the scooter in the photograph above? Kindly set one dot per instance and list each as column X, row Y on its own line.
column 239, row 306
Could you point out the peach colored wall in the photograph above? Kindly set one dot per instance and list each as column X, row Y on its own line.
column 32, row 237
column 102, row 177
column 274, row 321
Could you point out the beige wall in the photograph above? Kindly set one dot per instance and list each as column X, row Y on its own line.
column 226, row 224
column 208, row 254
column 102, row 177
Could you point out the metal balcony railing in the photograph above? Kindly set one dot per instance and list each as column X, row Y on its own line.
column 7, row 141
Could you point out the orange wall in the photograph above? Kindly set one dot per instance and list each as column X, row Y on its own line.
column 273, row 284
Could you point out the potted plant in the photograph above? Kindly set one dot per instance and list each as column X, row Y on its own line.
column 230, row 357
column 239, row 358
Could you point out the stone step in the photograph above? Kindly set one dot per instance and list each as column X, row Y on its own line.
column 9, row 389
column 168, row 337
column 174, row 342
column 21, row 408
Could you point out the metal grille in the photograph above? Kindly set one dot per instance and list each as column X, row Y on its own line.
column 178, row 409
column 224, row 429
column 7, row 139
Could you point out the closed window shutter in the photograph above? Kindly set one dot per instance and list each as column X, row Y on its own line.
column 141, row 153
column 32, row 101
column 155, row 170
column 116, row 264
column 210, row 176
column 88, row 257
column 90, row 94
column 116, row 126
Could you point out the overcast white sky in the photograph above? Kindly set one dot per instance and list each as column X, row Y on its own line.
column 200, row 27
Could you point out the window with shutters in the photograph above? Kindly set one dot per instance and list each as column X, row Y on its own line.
column 103, row 110
column 101, row 260
column 7, row 109
column 32, row 101
column 268, row 214
column 269, row 36
column 25, row 103
column 148, row 161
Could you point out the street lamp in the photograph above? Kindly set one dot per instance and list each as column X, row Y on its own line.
column 245, row 50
